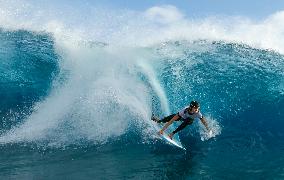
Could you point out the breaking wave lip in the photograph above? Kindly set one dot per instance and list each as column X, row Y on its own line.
column 139, row 28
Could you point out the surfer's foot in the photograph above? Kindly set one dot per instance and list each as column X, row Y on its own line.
column 154, row 118
column 171, row 135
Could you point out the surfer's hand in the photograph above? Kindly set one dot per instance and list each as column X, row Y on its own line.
column 210, row 132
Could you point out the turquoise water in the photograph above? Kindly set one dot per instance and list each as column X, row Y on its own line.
column 77, row 95
column 100, row 134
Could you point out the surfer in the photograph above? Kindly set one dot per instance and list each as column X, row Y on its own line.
column 186, row 115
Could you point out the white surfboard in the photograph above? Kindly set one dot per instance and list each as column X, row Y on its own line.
column 175, row 141
column 178, row 144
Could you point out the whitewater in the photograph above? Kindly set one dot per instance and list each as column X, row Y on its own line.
column 79, row 85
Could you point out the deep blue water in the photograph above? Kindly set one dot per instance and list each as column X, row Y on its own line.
column 64, row 117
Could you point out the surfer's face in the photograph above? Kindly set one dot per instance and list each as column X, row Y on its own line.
column 194, row 109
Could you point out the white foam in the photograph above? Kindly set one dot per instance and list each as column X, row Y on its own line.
column 100, row 99
column 128, row 28
column 214, row 126
column 156, row 85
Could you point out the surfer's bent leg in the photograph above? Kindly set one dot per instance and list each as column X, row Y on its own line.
column 167, row 119
column 183, row 125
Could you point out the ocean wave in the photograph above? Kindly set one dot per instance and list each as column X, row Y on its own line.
column 99, row 81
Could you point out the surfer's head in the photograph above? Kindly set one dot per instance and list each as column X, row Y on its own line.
column 194, row 106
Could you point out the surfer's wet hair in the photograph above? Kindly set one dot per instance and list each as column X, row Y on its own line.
column 194, row 104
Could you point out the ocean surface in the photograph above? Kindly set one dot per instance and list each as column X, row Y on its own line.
column 77, row 95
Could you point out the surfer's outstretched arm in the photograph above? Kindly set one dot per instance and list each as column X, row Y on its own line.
column 176, row 117
column 204, row 122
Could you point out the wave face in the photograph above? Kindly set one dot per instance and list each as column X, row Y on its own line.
column 86, row 99
column 28, row 66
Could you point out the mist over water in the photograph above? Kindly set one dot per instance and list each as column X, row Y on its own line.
column 82, row 83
